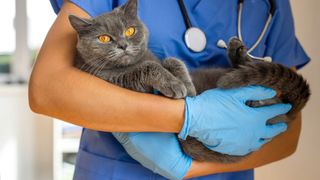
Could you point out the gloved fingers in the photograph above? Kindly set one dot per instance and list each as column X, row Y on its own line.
column 273, row 110
column 259, row 144
column 221, row 149
column 121, row 137
column 228, row 148
column 255, row 93
column 271, row 132
column 159, row 152
column 209, row 141
column 212, row 145
column 274, row 130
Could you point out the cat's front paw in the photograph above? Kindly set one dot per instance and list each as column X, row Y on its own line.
column 177, row 68
column 174, row 89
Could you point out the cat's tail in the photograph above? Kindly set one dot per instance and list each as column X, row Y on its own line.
column 291, row 87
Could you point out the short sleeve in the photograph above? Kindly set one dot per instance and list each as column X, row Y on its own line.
column 92, row 7
column 282, row 44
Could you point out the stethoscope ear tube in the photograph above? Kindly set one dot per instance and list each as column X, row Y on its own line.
column 272, row 6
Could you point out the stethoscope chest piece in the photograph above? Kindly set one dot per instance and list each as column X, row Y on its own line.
column 195, row 39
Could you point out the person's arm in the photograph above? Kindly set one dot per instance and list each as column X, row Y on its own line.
column 280, row 147
column 60, row 90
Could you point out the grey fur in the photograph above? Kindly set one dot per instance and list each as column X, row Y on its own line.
column 128, row 63
column 291, row 88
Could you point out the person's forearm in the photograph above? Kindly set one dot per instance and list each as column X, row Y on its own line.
column 84, row 100
column 59, row 90
column 282, row 146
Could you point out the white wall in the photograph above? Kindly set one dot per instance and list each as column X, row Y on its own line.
column 305, row 163
column 25, row 138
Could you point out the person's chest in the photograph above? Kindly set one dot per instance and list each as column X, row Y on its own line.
column 217, row 18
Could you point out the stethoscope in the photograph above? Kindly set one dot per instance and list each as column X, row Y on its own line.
column 195, row 39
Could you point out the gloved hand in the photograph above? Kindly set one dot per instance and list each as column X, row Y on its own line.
column 159, row 152
column 222, row 121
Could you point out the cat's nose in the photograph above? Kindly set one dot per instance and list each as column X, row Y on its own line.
column 122, row 46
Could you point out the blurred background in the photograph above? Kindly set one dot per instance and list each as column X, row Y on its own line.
column 35, row 147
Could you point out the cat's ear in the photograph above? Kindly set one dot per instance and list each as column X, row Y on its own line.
column 130, row 8
column 80, row 24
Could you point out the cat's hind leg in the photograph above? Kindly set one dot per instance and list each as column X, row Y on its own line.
column 291, row 87
column 237, row 52
column 268, row 102
column 177, row 68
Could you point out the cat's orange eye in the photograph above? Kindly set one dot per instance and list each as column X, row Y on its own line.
column 104, row 38
column 129, row 32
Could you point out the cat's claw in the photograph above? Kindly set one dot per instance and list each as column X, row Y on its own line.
column 177, row 68
column 236, row 48
column 176, row 90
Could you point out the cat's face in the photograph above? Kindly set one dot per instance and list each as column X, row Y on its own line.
column 115, row 39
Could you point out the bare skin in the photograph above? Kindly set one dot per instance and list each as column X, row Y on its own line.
column 59, row 90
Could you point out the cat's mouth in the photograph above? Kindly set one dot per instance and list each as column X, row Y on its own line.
column 125, row 58
column 123, row 54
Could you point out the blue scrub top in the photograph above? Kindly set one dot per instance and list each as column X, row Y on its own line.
column 100, row 155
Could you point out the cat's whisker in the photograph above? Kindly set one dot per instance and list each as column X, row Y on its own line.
column 110, row 57
column 114, row 55
column 99, row 65
column 89, row 65
column 96, row 64
column 82, row 66
column 99, row 68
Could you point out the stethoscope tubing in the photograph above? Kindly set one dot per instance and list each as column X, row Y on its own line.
column 221, row 43
column 185, row 14
column 261, row 34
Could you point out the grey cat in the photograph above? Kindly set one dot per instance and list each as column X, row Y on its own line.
column 113, row 47
column 126, row 61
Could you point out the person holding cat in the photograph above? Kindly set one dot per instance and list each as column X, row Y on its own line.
column 55, row 83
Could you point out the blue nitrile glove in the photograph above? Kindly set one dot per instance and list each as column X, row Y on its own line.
column 222, row 121
column 159, row 152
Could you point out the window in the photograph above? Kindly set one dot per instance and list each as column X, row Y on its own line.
column 24, row 25
column 7, row 35
column 40, row 18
